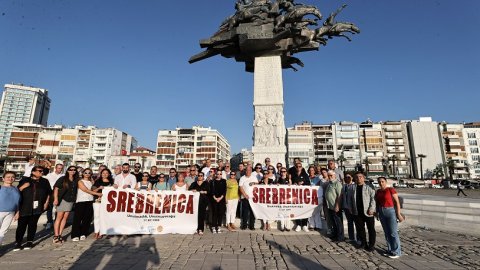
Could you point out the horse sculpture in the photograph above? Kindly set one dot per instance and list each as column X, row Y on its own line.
column 296, row 15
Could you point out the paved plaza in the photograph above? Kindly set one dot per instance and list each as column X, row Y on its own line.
column 423, row 249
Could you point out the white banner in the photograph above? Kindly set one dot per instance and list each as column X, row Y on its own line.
column 283, row 202
column 127, row 211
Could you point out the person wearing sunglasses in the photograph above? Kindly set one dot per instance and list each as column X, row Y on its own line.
column 232, row 200
column 64, row 196
column 300, row 178
column 203, row 188
column 257, row 173
column 153, row 177
column 84, row 206
column 161, row 184
column 144, row 184
column 136, row 172
column 284, row 179
column 35, row 195
column 192, row 177
column 218, row 190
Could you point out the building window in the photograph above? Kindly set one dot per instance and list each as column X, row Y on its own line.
column 471, row 135
column 474, row 150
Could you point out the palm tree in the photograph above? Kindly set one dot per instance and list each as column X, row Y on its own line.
column 421, row 157
column 91, row 162
column 438, row 171
column 340, row 160
column 450, row 166
column 367, row 165
column 394, row 159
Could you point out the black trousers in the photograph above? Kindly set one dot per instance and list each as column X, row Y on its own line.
column 82, row 219
column 23, row 223
column 202, row 210
column 248, row 218
column 302, row 222
column 461, row 190
column 360, row 221
column 218, row 212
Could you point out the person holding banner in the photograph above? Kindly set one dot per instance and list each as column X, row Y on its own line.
column 300, row 178
column 218, row 191
column 84, row 206
column 203, row 188
column 144, row 184
column 248, row 218
column 232, row 200
column 161, row 184
column 266, row 180
column 180, row 185
column 125, row 179
column 106, row 180
column 283, row 179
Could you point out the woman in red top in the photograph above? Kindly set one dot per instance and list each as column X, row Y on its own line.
column 388, row 209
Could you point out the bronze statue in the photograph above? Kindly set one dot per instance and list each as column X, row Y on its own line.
column 266, row 28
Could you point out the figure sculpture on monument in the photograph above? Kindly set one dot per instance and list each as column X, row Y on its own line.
column 265, row 34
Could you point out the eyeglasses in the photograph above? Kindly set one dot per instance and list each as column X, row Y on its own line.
column 283, row 171
column 233, row 174
column 72, row 170
column 256, row 168
column 144, row 175
column 162, row 176
column 192, row 170
column 87, row 173
column 200, row 175
column 137, row 167
column 172, row 172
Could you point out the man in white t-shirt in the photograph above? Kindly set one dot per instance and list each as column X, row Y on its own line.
column 125, row 179
column 248, row 218
column 206, row 169
column 52, row 179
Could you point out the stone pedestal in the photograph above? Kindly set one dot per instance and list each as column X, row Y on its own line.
column 269, row 124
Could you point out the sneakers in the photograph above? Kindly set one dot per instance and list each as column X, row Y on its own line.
column 214, row 231
column 393, row 256
column 298, row 228
column 28, row 245
column 219, row 231
column 75, row 239
column 305, row 229
column 83, row 237
column 18, row 247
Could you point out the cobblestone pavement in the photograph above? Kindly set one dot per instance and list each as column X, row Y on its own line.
column 423, row 249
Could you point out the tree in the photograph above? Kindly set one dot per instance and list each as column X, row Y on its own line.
column 438, row 171
column 91, row 162
column 340, row 160
column 450, row 167
column 421, row 157
column 394, row 159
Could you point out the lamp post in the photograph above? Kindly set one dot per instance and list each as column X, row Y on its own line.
column 421, row 157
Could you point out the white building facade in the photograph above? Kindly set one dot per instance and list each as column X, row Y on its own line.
column 347, row 145
column 471, row 135
column 300, row 144
column 21, row 104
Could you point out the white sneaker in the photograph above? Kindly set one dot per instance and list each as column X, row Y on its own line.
column 219, row 231
column 75, row 239
column 298, row 228
column 305, row 229
column 82, row 237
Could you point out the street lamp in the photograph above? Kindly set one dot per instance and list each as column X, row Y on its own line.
column 421, row 157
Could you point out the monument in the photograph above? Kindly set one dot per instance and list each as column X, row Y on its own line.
column 264, row 35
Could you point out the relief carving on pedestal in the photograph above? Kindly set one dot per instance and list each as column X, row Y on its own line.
column 269, row 127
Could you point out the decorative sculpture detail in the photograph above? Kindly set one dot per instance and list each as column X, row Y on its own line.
column 266, row 28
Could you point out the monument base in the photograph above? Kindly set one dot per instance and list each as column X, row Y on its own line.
column 276, row 154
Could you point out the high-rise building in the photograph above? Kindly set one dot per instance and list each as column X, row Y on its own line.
column 323, row 144
column 454, row 146
column 21, row 104
column 245, row 156
column 83, row 146
column 471, row 135
column 300, row 144
column 372, row 148
column 182, row 147
column 398, row 158
column 347, row 145
column 425, row 146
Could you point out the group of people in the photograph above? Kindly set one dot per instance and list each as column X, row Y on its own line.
column 223, row 196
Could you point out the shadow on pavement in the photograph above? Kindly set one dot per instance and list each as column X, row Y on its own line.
column 120, row 252
column 295, row 260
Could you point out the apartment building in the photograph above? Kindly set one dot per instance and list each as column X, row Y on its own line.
column 347, row 145
column 300, row 144
column 471, row 135
column 372, row 148
column 398, row 158
column 323, row 144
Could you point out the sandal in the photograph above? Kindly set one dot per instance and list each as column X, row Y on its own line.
column 57, row 239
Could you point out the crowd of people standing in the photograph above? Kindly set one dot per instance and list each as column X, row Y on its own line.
column 223, row 197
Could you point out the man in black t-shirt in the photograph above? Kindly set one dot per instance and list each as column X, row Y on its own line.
column 153, row 177
column 136, row 172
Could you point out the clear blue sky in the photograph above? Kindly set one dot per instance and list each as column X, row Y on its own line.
column 124, row 64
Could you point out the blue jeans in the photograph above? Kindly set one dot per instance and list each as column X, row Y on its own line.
column 388, row 218
column 350, row 223
column 337, row 220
